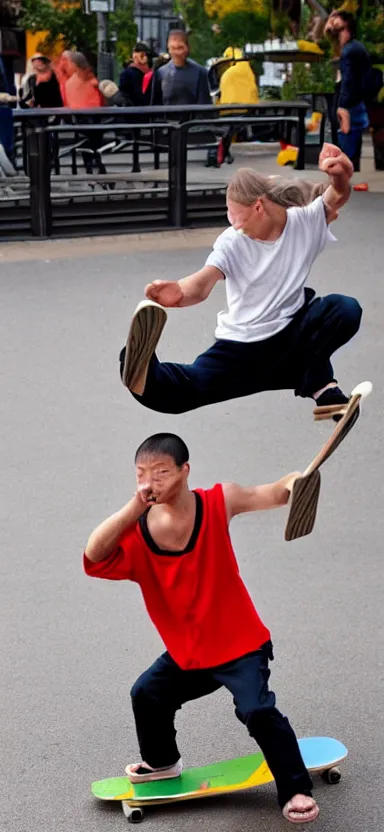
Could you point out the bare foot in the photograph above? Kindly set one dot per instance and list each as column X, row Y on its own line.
column 301, row 809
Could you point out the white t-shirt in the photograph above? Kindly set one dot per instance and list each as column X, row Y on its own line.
column 265, row 280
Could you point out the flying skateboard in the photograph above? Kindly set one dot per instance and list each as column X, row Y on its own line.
column 321, row 755
column 306, row 489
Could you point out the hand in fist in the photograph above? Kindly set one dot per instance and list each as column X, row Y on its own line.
column 165, row 292
column 145, row 494
column 334, row 162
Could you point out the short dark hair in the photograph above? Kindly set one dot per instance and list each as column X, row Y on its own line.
column 141, row 46
column 179, row 33
column 350, row 20
column 165, row 443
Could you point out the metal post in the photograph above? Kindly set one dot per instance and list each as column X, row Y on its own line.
column 300, row 161
column 39, row 169
column 178, row 176
column 101, row 45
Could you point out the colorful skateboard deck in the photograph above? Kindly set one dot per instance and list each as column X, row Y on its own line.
column 320, row 754
column 306, row 490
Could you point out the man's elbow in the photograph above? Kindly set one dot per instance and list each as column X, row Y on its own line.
column 282, row 497
column 93, row 550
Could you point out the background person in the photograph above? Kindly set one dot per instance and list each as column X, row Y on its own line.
column 181, row 80
column 41, row 86
column 82, row 87
column 82, row 93
column 355, row 67
column 135, row 80
column 113, row 96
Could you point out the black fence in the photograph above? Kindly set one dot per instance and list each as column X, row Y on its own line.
column 125, row 169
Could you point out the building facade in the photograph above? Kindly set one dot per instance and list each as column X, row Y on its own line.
column 154, row 19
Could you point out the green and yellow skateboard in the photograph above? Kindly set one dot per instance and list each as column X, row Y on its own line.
column 320, row 754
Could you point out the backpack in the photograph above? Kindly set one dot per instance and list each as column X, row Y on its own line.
column 372, row 83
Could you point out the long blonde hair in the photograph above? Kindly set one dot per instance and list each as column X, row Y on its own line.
column 247, row 186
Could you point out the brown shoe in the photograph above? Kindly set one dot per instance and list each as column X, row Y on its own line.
column 147, row 325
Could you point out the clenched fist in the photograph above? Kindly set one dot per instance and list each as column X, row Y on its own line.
column 333, row 162
column 165, row 292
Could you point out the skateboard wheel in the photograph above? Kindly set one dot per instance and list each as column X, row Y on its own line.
column 332, row 775
column 134, row 814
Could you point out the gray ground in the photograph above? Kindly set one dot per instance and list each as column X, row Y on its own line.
column 72, row 646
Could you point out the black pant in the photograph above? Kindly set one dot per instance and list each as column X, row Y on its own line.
column 164, row 688
column 297, row 358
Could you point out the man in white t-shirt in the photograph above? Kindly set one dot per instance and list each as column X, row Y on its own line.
column 275, row 334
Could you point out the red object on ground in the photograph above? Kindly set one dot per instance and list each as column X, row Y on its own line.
column 362, row 186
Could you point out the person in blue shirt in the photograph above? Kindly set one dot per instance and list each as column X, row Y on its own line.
column 181, row 80
column 355, row 67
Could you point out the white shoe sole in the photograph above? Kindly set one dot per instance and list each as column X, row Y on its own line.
column 147, row 325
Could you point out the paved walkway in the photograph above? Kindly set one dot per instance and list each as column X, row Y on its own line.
column 71, row 647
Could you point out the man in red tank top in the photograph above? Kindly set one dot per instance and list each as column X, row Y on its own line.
column 175, row 544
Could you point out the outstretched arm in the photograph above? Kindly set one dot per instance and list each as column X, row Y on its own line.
column 339, row 169
column 239, row 499
column 187, row 291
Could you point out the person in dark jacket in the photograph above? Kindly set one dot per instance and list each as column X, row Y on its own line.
column 44, row 88
column 355, row 67
column 181, row 80
column 133, row 78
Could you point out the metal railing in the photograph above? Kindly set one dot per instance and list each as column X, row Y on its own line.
column 54, row 193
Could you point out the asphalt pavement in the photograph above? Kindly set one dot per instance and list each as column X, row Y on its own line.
column 72, row 646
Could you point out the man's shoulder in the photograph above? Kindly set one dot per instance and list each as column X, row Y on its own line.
column 355, row 48
column 163, row 70
column 196, row 67
column 227, row 237
column 129, row 72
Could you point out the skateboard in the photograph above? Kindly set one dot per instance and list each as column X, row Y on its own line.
column 320, row 754
column 306, row 489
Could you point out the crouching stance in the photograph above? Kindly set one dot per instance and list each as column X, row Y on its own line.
column 175, row 544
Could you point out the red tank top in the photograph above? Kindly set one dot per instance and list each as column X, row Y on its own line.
column 196, row 599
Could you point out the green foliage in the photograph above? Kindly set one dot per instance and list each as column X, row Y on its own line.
column 317, row 77
column 239, row 28
column 235, row 29
column 66, row 20
column 371, row 29
column 123, row 25
column 270, row 93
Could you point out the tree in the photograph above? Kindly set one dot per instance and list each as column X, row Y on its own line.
column 220, row 8
column 123, row 26
column 65, row 23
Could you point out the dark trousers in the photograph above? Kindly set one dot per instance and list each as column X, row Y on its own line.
column 351, row 144
column 297, row 358
column 164, row 688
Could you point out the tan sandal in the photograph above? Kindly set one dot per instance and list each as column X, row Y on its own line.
column 152, row 773
column 296, row 815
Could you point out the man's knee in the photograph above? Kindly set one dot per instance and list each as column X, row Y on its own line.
column 258, row 719
column 138, row 691
column 347, row 311
column 143, row 690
